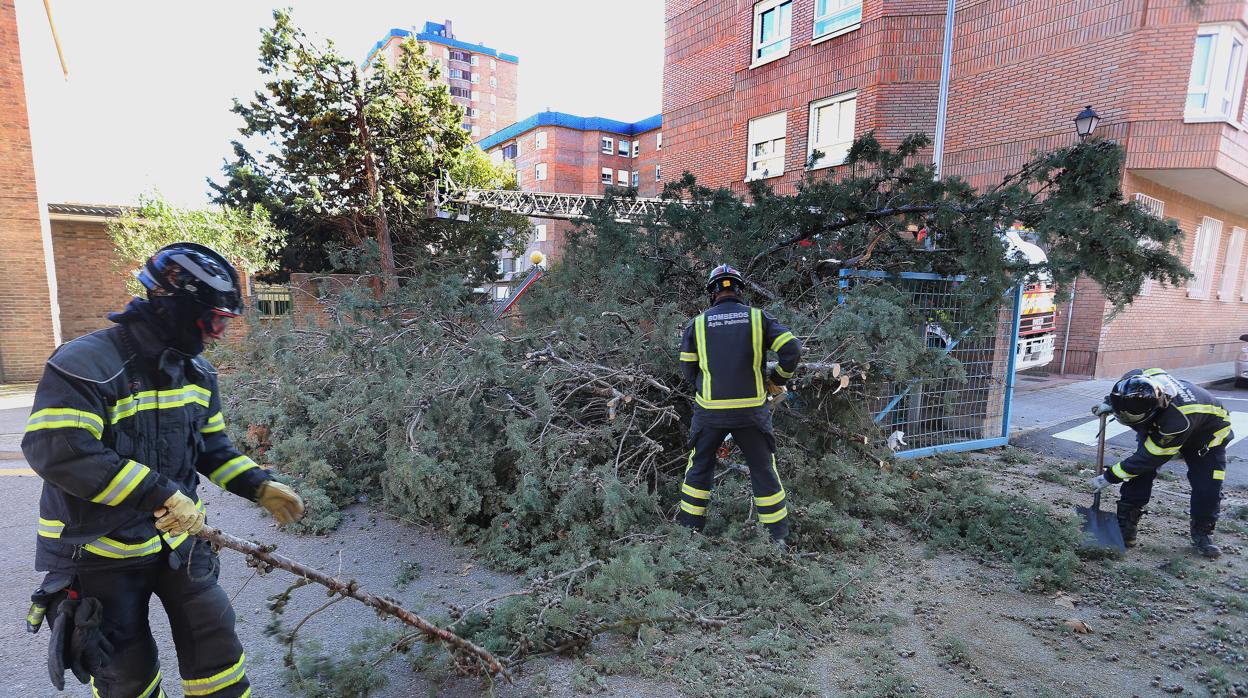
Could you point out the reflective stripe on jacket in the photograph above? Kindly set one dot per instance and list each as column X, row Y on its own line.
column 114, row 434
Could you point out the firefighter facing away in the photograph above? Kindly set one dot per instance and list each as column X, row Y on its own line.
column 124, row 421
column 1170, row 417
column 723, row 355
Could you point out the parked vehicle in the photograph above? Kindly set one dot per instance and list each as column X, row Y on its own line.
column 1241, row 364
column 1037, row 328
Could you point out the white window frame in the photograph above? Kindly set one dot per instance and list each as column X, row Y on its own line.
column 621, row 178
column 493, row 98
column 658, row 173
column 1223, row 91
column 493, row 81
column 843, row 16
column 493, row 64
column 474, row 59
column 1230, row 267
column 501, row 293
column 1157, row 209
column 476, row 78
column 539, row 172
column 539, row 232
column 493, row 116
column 472, row 112
column 761, row 130
column 607, row 145
column 636, row 148
column 784, row 40
column 635, row 179
column 607, row 176
column 836, row 150
column 658, row 141
column 623, row 148
column 476, row 130
column 539, row 140
column 1208, row 239
column 475, row 96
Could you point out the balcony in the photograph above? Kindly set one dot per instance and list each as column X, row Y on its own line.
column 1205, row 160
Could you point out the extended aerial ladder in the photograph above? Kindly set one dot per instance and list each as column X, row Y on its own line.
column 449, row 199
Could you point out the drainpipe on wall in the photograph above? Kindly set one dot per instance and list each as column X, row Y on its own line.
column 1070, row 313
column 942, row 103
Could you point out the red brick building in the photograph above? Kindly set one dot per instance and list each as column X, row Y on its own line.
column 567, row 154
column 751, row 90
column 28, row 327
column 481, row 79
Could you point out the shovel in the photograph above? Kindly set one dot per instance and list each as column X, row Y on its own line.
column 1100, row 528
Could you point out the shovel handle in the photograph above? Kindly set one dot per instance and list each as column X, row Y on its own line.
column 1100, row 450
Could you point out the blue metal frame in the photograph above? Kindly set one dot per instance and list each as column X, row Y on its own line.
column 975, row 444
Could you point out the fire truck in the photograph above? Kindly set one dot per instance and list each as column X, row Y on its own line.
column 1037, row 328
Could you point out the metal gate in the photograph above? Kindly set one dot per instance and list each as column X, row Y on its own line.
column 949, row 414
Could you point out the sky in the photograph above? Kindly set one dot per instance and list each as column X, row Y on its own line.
column 147, row 102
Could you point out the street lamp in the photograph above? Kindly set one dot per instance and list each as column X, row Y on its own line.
column 1086, row 122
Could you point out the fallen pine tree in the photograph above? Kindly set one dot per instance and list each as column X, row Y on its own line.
column 555, row 441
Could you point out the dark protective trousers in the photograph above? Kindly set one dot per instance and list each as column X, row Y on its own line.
column 210, row 657
column 1206, row 470
column 759, row 448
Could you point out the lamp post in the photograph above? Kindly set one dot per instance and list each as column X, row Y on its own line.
column 1086, row 121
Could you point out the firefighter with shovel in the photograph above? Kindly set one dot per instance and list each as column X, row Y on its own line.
column 1170, row 417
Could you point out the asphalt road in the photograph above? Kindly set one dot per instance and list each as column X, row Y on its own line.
column 1075, row 438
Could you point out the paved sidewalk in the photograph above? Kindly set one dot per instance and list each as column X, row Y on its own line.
column 1040, row 403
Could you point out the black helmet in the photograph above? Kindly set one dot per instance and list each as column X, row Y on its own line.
column 192, row 271
column 1137, row 399
column 724, row 276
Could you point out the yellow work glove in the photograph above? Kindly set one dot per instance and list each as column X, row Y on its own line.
column 179, row 515
column 281, row 501
column 775, row 390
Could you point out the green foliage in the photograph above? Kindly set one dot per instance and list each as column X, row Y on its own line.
column 560, row 439
column 350, row 156
column 244, row 235
column 957, row 510
column 317, row 672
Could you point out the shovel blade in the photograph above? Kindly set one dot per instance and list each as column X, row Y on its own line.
column 1100, row 529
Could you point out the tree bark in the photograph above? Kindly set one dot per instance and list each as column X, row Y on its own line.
column 381, row 224
column 263, row 557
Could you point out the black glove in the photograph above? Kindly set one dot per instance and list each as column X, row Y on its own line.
column 77, row 642
column 89, row 650
column 58, row 644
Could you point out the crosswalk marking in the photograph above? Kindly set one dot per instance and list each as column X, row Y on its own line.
column 1086, row 433
column 16, row 471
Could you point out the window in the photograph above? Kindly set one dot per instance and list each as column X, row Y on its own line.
column 833, row 17
column 501, row 293
column 1215, row 86
column 606, row 175
column 493, row 116
column 493, row 81
column 493, row 98
column 457, row 74
column 493, row 64
column 539, row 171
column 623, row 148
column 766, row 154
column 539, row 232
column 506, row 265
column 635, row 180
column 772, row 23
column 608, row 145
column 831, row 130
column 540, row 140
column 1155, row 208
column 636, row 148
column 1234, row 252
column 460, row 92
column 475, row 96
column 510, row 151
column 272, row 300
column 1204, row 255
column 475, row 60
column 658, row 141
column 476, row 130
column 475, row 78
column 461, row 56
column 472, row 112
column 466, row 127
column 658, row 173
column 621, row 177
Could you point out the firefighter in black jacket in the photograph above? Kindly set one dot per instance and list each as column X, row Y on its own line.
column 723, row 354
column 124, row 421
column 1170, row 417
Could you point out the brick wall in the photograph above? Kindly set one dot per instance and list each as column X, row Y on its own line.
column 89, row 283
column 26, row 329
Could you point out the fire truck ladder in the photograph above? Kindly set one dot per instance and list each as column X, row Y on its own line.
column 450, row 200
